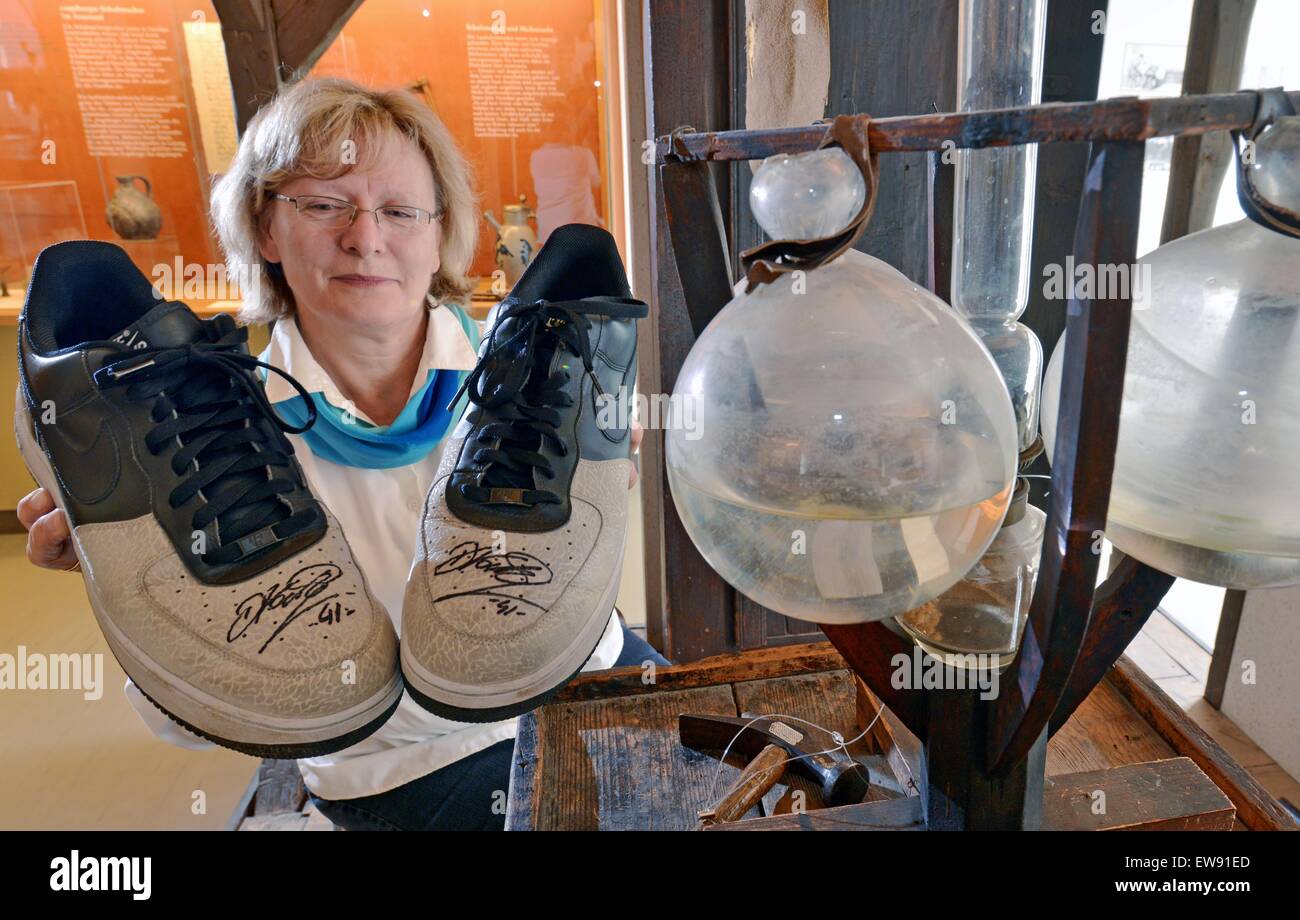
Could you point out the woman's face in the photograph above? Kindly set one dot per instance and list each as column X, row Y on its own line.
column 363, row 274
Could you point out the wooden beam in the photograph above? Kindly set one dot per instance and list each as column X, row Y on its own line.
column 1216, row 50
column 248, row 28
column 1225, row 643
column 273, row 42
column 1120, row 607
column 305, row 29
column 1087, row 431
column 1071, row 73
column 696, row 616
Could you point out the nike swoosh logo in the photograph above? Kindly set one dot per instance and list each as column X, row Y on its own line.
column 87, row 474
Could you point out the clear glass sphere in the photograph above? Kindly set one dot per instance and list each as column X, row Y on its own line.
column 1277, row 163
column 851, row 448
column 1207, row 469
column 806, row 196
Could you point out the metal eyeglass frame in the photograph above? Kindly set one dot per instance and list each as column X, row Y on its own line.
column 425, row 216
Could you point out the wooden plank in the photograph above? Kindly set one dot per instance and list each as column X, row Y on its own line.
column 1255, row 807
column 871, row 45
column 719, row 669
column 699, row 240
column 1162, row 795
column 902, row 749
column 279, row 788
column 1109, row 732
column 1151, row 658
column 1225, row 641
column 289, row 821
column 1187, row 692
column 244, row 808
column 1182, row 648
column 1071, row 71
column 689, row 607
column 243, row 15
column 1279, row 784
column 1216, row 50
column 618, row 764
column 637, row 737
column 1122, row 119
column 892, row 815
column 1120, row 608
column 525, row 776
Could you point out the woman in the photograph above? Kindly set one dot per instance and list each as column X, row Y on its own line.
column 316, row 212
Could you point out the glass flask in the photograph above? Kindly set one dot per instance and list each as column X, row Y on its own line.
column 999, row 65
column 1207, row 468
column 977, row 623
column 855, row 446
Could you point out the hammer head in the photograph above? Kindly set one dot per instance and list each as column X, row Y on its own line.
column 843, row 780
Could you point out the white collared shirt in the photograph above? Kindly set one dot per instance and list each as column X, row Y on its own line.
column 379, row 512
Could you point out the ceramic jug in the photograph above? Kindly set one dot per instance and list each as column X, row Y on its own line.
column 516, row 239
column 133, row 214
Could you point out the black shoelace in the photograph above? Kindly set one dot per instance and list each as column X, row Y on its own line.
column 206, row 404
column 510, row 384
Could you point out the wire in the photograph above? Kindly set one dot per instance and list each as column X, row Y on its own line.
column 840, row 743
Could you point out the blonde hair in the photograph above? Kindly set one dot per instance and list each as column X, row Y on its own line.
column 301, row 133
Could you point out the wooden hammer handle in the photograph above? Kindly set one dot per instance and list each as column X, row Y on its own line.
column 759, row 776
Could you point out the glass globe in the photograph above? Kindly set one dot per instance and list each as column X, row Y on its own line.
column 1207, row 477
column 853, row 446
column 807, row 195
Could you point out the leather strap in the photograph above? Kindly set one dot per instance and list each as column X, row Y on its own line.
column 1272, row 105
column 768, row 261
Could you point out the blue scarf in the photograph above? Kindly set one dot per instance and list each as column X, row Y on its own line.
column 349, row 440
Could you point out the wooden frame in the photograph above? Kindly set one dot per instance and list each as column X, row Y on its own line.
column 991, row 772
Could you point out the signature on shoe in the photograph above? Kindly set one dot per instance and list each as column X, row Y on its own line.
column 300, row 592
column 511, row 568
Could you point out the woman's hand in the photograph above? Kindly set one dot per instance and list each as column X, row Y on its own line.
column 49, row 541
column 638, row 433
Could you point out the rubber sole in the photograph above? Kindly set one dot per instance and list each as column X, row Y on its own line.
column 498, row 713
column 146, row 677
column 285, row 751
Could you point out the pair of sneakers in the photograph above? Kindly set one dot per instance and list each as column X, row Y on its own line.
column 229, row 593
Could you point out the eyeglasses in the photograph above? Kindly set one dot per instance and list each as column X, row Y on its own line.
column 336, row 213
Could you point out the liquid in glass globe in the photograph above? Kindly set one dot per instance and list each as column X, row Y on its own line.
column 1207, row 468
column 853, row 446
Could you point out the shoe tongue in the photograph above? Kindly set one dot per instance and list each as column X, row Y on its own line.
column 166, row 325
column 172, row 324
column 544, row 360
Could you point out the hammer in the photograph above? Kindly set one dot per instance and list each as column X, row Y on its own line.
column 772, row 745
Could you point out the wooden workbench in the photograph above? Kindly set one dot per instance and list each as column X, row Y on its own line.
column 605, row 753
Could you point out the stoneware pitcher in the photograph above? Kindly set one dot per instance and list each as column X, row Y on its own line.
column 133, row 214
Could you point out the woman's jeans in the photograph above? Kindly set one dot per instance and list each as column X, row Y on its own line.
column 465, row 795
